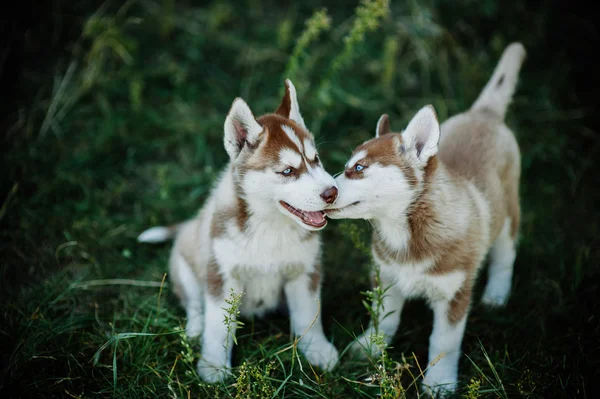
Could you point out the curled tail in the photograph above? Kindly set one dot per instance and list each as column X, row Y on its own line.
column 160, row 233
column 498, row 92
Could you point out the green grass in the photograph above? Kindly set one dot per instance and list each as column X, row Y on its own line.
column 125, row 132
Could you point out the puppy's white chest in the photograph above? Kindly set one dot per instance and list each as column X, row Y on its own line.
column 266, row 252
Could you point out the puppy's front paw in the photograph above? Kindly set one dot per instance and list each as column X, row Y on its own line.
column 211, row 372
column 440, row 382
column 495, row 297
column 321, row 354
column 496, row 292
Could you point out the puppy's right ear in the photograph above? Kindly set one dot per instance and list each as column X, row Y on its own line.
column 383, row 126
column 241, row 128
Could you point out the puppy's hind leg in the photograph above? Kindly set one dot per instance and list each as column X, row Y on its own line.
column 502, row 255
column 189, row 291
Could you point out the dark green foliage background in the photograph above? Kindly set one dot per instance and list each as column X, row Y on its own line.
column 135, row 139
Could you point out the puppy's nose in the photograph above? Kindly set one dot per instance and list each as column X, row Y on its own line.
column 330, row 195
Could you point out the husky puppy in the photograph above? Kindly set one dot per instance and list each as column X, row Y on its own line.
column 257, row 235
column 438, row 204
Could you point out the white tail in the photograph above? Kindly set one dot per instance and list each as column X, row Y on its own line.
column 159, row 234
column 497, row 93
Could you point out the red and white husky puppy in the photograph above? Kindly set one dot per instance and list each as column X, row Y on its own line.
column 257, row 235
column 439, row 203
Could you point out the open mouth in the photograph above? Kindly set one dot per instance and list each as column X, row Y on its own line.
column 314, row 218
column 331, row 211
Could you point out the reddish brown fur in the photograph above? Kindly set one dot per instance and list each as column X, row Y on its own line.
column 241, row 214
column 219, row 221
column 286, row 104
column 214, row 279
column 383, row 150
column 275, row 140
column 459, row 305
column 426, row 241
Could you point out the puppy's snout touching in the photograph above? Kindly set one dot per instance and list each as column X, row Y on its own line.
column 330, row 195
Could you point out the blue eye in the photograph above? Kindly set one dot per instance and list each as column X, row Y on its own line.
column 358, row 167
column 287, row 172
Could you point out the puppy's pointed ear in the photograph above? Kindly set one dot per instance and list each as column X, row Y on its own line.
column 383, row 126
column 289, row 105
column 422, row 135
column 241, row 128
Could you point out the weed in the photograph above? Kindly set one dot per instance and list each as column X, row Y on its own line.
column 254, row 382
column 232, row 314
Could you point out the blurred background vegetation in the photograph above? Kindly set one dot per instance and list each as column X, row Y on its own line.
column 112, row 117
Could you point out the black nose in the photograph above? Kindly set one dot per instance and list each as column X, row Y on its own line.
column 330, row 195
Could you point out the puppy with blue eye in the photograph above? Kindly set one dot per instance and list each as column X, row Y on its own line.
column 439, row 199
column 256, row 235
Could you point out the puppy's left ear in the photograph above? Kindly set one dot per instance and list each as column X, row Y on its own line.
column 289, row 105
column 241, row 129
column 383, row 126
column 422, row 135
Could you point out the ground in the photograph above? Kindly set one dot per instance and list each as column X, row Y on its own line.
column 113, row 123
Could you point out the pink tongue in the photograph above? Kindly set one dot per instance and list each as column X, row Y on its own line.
column 314, row 217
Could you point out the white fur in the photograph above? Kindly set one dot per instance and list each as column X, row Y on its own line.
column 217, row 341
column 295, row 108
column 408, row 281
column 293, row 136
column 413, row 283
column 263, row 253
column 304, row 310
column 155, row 234
column 290, row 157
column 499, row 90
column 502, row 254
column 265, row 187
column 381, row 186
column 310, row 150
column 357, row 157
